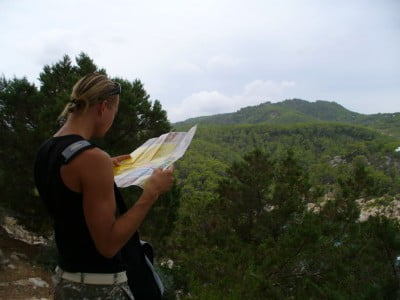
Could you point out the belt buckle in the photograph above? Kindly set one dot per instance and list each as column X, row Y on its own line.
column 82, row 277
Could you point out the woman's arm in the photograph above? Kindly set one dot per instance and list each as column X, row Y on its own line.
column 97, row 182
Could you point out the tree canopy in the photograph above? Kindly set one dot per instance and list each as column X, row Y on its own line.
column 260, row 240
column 28, row 116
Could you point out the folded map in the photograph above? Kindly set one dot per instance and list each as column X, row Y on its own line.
column 160, row 152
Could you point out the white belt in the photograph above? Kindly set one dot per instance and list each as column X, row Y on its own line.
column 94, row 278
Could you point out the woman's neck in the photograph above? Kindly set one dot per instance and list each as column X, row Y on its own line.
column 76, row 125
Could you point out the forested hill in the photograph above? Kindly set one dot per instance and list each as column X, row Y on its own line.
column 301, row 111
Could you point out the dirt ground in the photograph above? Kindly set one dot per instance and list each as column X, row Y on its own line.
column 18, row 267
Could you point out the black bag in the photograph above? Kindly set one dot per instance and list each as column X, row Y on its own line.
column 143, row 280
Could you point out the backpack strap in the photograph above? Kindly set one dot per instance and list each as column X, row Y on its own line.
column 74, row 149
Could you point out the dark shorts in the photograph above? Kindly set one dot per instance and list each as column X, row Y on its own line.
column 68, row 290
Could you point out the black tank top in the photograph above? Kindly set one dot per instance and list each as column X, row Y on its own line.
column 76, row 249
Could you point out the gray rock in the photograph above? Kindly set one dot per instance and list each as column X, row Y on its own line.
column 34, row 281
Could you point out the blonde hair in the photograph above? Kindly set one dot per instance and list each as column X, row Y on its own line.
column 88, row 91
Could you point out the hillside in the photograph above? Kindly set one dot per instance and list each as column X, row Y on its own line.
column 300, row 111
column 314, row 142
column 319, row 132
column 327, row 150
column 238, row 162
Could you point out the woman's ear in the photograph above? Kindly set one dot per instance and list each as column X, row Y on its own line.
column 101, row 107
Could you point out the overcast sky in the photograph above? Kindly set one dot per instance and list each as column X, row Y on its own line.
column 207, row 57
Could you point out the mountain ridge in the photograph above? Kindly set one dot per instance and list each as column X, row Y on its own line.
column 293, row 111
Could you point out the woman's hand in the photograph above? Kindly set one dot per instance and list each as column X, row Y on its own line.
column 160, row 182
column 118, row 159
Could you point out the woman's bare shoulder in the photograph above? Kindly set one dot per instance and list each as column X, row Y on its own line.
column 92, row 159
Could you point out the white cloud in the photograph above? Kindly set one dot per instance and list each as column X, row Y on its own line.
column 223, row 61
column 199, row 104
column 214, row 102
column 269, row 88
column 49, row 46
column 187, row 67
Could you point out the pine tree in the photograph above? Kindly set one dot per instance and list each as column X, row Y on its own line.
column 28, row 116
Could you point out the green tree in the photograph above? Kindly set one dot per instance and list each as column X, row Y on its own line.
column 263, row 242
column 29, row 116
column 19, row 118
column 138, row 119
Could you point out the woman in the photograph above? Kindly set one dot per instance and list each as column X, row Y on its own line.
column 80, row 194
